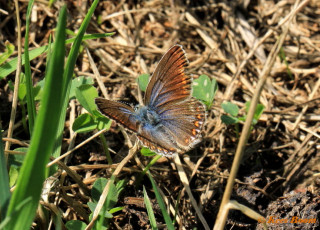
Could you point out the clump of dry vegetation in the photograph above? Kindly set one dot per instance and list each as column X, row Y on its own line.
column 226, row 40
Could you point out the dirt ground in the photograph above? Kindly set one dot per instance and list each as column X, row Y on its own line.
column 279, row 174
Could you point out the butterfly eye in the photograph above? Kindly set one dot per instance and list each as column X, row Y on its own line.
column 136, row 107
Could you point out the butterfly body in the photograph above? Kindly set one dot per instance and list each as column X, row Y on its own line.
column 147, row 116
column 170, row 120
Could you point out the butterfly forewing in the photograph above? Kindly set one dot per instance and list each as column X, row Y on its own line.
column 169, row 84
column 119, row 112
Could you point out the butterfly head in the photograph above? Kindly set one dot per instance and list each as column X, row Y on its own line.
column 137, row 107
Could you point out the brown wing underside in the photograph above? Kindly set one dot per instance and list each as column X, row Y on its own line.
column 169, row 84
column 119, row 112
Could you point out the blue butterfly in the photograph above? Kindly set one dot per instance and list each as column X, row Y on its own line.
column 170, row 121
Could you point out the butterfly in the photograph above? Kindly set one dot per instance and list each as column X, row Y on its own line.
column 170, row 121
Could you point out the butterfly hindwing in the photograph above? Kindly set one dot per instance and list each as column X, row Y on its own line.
column 158, row 140
column 179, row 128
column 184, row 121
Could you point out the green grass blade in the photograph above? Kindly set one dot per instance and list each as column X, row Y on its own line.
column 151, row 216
column 68, row 75
column 4, row 182
column 33, row 171
column 152, row 162
column 75, row 47
column 162, row 205
column 11, row 65
column 92, row 36
column 30, row 97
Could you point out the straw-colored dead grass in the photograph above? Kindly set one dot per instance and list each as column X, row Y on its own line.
column 282, row 157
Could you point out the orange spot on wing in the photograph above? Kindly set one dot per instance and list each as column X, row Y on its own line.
column 199, row 116
column 194, row 132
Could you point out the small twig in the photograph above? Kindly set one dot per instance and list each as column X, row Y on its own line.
column 97, row 75
column 77, row 147
column 185, row 182
column 311, row 96
column 17, row 79
column 76, row 177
